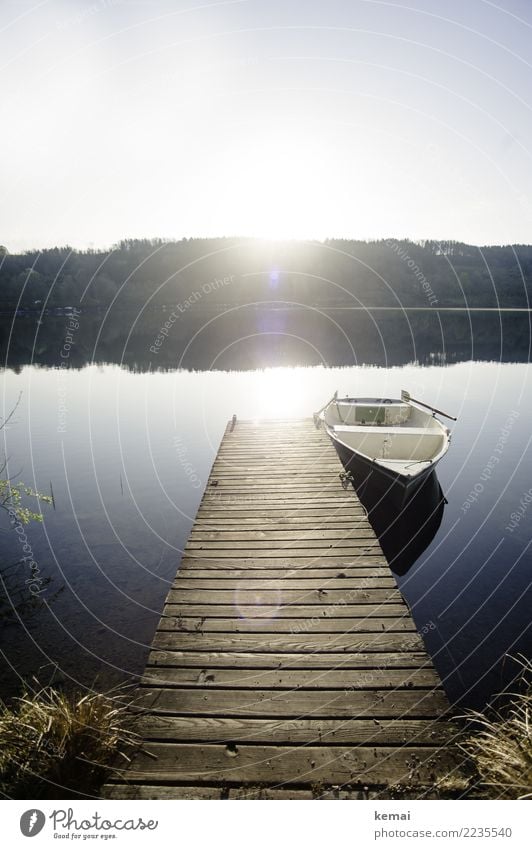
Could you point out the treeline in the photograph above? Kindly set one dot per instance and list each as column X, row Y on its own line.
column 229, row 272
column 256, row 337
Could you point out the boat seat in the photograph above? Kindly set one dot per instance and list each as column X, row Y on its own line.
column 384, row 429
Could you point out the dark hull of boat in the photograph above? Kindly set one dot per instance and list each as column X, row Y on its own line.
column 383, row 482
column 405, row 518
column 405, row 532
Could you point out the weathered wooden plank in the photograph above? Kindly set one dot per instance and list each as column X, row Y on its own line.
column 170, row 656
column 300, row 486
column 282, row 679
column 296, row 507
column 272, row 429
column 289, row 492
column 236, row 575
column 336, row 502
column 296, row 426
column 313, row 481
column 241, row 522
column 312, row 476
column 243, row 468
column 260, row 470
column 307, row 460
column 187, row 581
column 313, row 445
column 248, row 447
column 306, row 483
column 278, row 499
column 307, row 546
column 257, row 702
column 236, row 507
column 292, row 525
column 275, row 793
column 363, row 531
column 413, row 732
column 292, row 501
column 311, row 455
column 302, row 765
column 334, row 561
column 161, row 791
column 348, row 518
column 268, row 432
column 280, row 422
column 338, row 562
column 217, row 504
column 293, row 611
column 260, row 625
column 302, row 440
column 361, row 559
column 247, row 597
column 249, row 515
column 355, row 547
column 324, row 447
column 314, row 510
column 322, row 643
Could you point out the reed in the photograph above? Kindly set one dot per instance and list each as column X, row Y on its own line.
column 61, row 745
column 501, row 748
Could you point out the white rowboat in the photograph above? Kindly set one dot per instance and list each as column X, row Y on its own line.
column 400, row 440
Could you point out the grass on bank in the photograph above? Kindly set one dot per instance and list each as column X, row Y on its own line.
column 501, row 745
column 59, row 745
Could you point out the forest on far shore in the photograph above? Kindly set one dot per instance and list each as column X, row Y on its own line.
column 225, row 272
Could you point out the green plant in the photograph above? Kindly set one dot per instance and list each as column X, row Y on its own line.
column 15, row 599
column 11, row 500
column 11, row 494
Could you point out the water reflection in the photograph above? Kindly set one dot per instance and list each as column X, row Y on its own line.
column 19, row 606
column 124, row 451
column 404, row 530
column 265, row 334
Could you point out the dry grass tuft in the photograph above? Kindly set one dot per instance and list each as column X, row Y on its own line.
column 502, row 748
column 58, row 745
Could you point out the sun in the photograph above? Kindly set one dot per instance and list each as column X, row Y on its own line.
column 278, row 392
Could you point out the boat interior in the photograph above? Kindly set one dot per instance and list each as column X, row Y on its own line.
column 387, row 430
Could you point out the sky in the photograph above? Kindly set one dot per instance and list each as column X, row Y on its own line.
column 305, row 119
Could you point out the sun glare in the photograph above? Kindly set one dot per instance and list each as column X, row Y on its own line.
column 278, row 393
column 280, row 187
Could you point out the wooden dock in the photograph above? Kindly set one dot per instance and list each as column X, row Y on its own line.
column 286, row 663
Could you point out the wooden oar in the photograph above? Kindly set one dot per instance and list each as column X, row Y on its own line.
column 405, row 396
column 315, row 415
column 334, row 397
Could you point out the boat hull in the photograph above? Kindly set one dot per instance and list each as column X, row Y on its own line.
column 366, row 472
column 404, row 530
column 394, row 443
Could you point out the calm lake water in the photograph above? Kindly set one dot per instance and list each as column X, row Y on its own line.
column 127, row 453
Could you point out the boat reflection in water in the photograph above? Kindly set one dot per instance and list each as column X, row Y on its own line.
column 404, row 529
